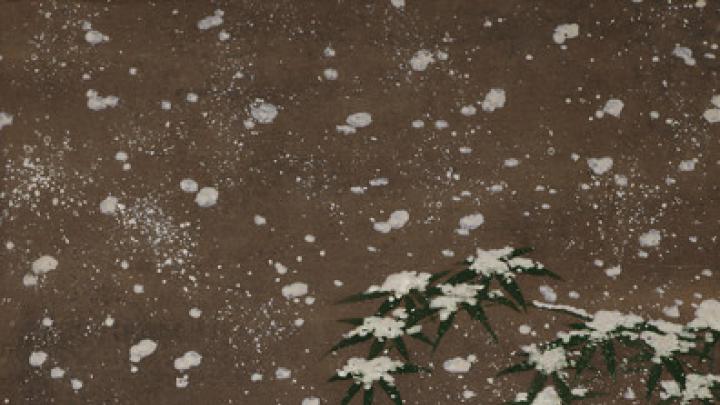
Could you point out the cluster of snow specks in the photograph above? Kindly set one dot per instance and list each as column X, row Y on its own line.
column 39, row 268
column 147, row 227
column 96, row 102
column 367, row 372
column 546, row 361
column 92, row 36
column 5, row 119
column 712, row 115
column 563, row 32
column 184, row 363
column 402, row 283
column 452, row 296
column 396, row 220
column 355, row 121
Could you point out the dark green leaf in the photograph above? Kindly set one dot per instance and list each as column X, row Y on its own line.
column 439, row 275
column 443, row 328
column 514, row 290
column 352, row 321
column 676, row 370
column 350, row 341
column 537, row 384
column 653, row 378
column 516, row 368
column 350, row 393
column 586, row 355
column 368, row 397
column 339, row 378
column 462, row 277
column 402, row 349
column 520, row 252
column 504, row 301
column 609, row 355
column 479, row 314
column 562, row 388
column 421, row 337
column 365, row 296
column 391, row 391
column 376, row 348
column 387, row 306
column 537, row 271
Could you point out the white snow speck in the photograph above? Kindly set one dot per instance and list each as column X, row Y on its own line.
column 421, row 60
column 187, row 361
column 206, row 197
column 470, row 222
column 359, row 120
column 188, row 185
column 263, row 112
column 613, row 272
column 686, row 54
column 613, row 107
column 282, row 373
column 37, row 359
column 650, row 238
column 97, row 103
column 311, row 401
column 44, row 264
column 459, row 365
column 600, row 166
column 5, row 119
column 211, row 21
column 142, row 349
column 548, row 293
column 94, row 37
column 564, row 32
column 109, row 205
column 494, row 99
column 295, row 290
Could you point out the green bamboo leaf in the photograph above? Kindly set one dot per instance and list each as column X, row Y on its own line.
column 350, row 393
column 387, row 306
column 443, row 328
column 505, row 302
column 538, row 271
column 339, row 378
column 376, row 348
column 462, row 277
column 516, row 368
column 562, row 389
column 514, row 290
column 653, row 379
column 423, row 338
column 402, row 349
column 364, row 296
column 520, row 252
column 479, row 315
column 391, row 392
column 537, row 384
column 350, row 341
column 368, row 397
column 352, row 321
column 586, row 356
column 676, row 370
column 409, row 368
column 439, row 275
column 609, row 355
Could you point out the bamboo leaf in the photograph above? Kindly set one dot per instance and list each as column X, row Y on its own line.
column 423, row 338
column 479, row 315
column 537, row 384
column 675, row 369
column 368, row 397
column 653, row 379
column 609, row 355
column 350, row 341
column 520, row 252
column 516, row 368
column 339, row 378
column 402, row 349
column 462, row 276
column 352, row 321
column 364, row 296
column 443, row 328
column 387, row 306
column 350, row 393
column 586, row 356
column 439, row 275
column 562, row 388
column 514, row 290
column 391, row 391
column 504, row 301
column 376, row 348
column 537, row 271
